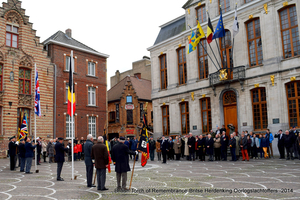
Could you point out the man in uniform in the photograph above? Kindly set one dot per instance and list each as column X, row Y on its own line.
column 22, row 152
column 100, row 154
column 60, row 157
column 88, row 160
column 12, row 146
column 121, row 160
column 164, row 146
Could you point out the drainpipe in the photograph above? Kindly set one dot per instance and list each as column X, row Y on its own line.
column 54, row 102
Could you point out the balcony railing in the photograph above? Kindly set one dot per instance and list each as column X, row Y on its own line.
column 237, row 74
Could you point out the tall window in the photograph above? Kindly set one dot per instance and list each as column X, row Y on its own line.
column 226, row 50
column 225, row 5
column 202, row 60
column 254, row 42
column 201, row 13
column 92, row 126
column 69, row 126
column 129, row 116
column 205, row 115
column 1, row 77
column 92, row 96
column 117, row 113
column 289, row 32
column 165, row 120
column 66, row 89
column 182, row 66
column 91, row 68
column 293, row 100
column 24, row 81
column 128, row 99
column 68, row 58
column 259, row 108
column 112, row 117
column 185, row 121
column 163, row 71
column 12, row 36
column 141, row 112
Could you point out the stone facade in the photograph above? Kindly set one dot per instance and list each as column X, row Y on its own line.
column 23, row 52
column 141, row 68
column 260, row 76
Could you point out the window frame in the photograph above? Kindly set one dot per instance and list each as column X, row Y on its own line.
column 68, row 122
column 127, row 115
column 94, row 64
column 66, row 65
column 201, row 8
column 24, row 80
column 167, row 116
column 288, row 29
column 91, row 91
column 117, row 113
column 163, row 70
column 254, row 39
column 129, row 102
column 297, row 101
column 247, row 1
column 186, row 114
column 184, row 67
column 141, row 111
column 205, row 56
column 12, row 33
column 224, row 9
column 1, row 76
column 91, row 124
column 208, row 110
column 259, row 103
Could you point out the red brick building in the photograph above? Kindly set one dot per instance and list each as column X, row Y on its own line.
column 126, row 101
column 20, row 50
column 90, row 86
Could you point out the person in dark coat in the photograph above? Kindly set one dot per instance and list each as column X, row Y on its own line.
column 288, row 143
column 12, row 146
column 22, row 154
column 164, row 146
column 29, row 155
column 171, row 149
column 134, row 145
column 280, row 143
column 152, row 147
column 38, row 150
column 210, row 147
column 243, row 145
column 222, row 129
column 232, row 146
column 295, row 134
column 191, row 145
column 224, row 144
column 201, row 148
column 100, row 154
column 264, row 144
column 88, row 160
column 60, row 157
column 121, row 160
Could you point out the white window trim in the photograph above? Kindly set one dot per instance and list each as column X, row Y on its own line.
column 91, row 124
column 90, row 96
column 90, row 63
column 68, row 121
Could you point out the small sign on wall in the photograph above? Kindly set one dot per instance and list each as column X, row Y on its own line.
column 129, row 107
column 244, row 123
column 194, row 127
column 276, row 121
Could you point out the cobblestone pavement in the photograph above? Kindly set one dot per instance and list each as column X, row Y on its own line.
column 256, row 179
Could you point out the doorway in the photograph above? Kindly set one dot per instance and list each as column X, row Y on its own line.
column 230, row 110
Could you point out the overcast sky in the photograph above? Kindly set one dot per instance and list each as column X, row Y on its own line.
column 119, row 28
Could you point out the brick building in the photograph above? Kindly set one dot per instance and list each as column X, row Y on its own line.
column 20, row 50
column 140, row 67
column 90, row 86
column 126, row 101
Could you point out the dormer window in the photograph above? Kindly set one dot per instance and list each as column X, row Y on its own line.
column 12, row 35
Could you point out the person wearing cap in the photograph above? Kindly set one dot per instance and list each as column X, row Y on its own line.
column 121, row 160
column 12, row 146
column 60, row 157
column 29, row 155
column 100, row 154
column 22, row 152
column 280, row 143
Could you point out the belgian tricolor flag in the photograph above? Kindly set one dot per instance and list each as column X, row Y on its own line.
column 71, row 89
column 210, row 31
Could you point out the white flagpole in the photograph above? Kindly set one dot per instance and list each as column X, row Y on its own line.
column 35, row 152
column 72, row 64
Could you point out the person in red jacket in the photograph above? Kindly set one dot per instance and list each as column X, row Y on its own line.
column 75, row 152
column 79, row 147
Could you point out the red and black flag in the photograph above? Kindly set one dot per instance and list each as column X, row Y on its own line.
column 71, row 89
column 144, row 142
column 210, row 31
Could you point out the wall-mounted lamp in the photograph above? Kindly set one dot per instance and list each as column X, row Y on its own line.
column 10, row 104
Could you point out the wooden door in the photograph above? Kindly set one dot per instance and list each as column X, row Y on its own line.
column 230, row 111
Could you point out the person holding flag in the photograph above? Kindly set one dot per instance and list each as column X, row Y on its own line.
column 144, row 142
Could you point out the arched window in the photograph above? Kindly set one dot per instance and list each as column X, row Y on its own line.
column 289, row 31
column 202, row 60
column 182, row 71
column 254, row 42
column 259, row 108
column 185, row 120
column 205, row 115
column 293, row 101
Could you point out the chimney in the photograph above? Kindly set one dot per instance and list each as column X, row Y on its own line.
column 69, row 32
column 137, row 75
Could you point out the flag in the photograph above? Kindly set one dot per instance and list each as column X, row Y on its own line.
column 19, row 125
column 109, row 158
column 199, row 34
column 220, row 31
column 210, row 31
column 144, row 142
column 23, row 129
column 235, row 27
column 37, row 105
column 71, row 89
column 191, row 42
